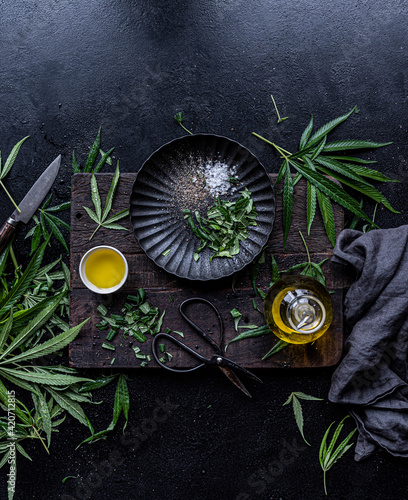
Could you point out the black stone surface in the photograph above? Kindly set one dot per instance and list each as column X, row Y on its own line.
column 67, row 67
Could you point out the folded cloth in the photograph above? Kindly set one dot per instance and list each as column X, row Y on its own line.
column 372, row 377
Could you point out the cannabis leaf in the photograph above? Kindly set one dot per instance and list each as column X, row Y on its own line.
column 99, row 217
column 281, row 344
column 121, row 404
column 7, row 167
column 328, row 456
column 48, row 222
column 179, row 118
column 94, row 151
column 315, row 162
column 309, row 268
column 297, row 408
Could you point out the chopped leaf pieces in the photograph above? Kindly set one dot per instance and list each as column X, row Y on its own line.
column 225, row 226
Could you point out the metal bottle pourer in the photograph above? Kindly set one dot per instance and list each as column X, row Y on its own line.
column 305, row 313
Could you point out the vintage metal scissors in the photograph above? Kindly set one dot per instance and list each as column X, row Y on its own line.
column 226, row 365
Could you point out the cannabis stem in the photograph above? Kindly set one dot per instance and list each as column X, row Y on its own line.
column 9, row 195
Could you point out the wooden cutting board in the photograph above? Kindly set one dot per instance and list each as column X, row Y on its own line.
column 166, row 291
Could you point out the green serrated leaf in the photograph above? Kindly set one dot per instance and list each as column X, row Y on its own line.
column 281, row 173
column 36, row 239
column 50, row 346
column 120, row 215
column 326, row 210
column 330, row 188
column 44, row 412
column 58, row 221
column 288, row 400
column 75, row 165
column 287, row 203
column 275, row 273
column 350, row 145
column 351, row 159
column 96, row 199
column 306, row 134
column 103, row 160
column 46, row 379
column 6, row 329
column 114, row 226
column 91, row 214
column 356, row 183
column 111, row 193
column 318, row 149
column 12, row 158
column 327, row 455
column 60, row 208
column 297, row 410
column 31, row 327
column 93, row 152
column 56, row 232
column 281, row 344
column 328, row 127
column 22, row 284
column 311, row 203
column 97, row 383
column 302, row 395
column 72, row 407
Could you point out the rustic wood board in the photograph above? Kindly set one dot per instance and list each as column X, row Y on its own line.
column 167, row 292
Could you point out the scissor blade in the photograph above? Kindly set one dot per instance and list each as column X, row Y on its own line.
column 227, row 363
column 234, row 379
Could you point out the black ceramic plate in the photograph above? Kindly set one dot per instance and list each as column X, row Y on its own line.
column 180, row 175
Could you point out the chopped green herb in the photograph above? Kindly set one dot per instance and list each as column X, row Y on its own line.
column 162, row 348
column 166, row 252
column 111, row 347
column 225, row 226
column 251, row 333
column 143, row 364
column 138, row 318
column 179, row 333
column 255, row 306
column 102, row 310
column 237, row 316
column 112, row 361
column 68, row 477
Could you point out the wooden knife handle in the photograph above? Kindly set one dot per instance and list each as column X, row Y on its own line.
column 6, row 232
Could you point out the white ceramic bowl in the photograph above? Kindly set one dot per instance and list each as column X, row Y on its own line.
column 89, row 284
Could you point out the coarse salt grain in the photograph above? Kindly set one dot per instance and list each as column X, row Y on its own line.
column 217, row 178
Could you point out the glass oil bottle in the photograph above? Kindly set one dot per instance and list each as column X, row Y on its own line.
column 298, row 309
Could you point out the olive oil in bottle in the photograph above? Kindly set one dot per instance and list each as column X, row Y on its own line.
column 298, row 309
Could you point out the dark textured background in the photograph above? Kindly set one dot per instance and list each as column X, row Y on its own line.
column 68, row 66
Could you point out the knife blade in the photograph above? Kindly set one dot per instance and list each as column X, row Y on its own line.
column 30, row 202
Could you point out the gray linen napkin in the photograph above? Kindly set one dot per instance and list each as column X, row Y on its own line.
column 372, row 377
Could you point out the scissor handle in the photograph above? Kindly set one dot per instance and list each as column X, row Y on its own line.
column 210, row 340
column 183, row 346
